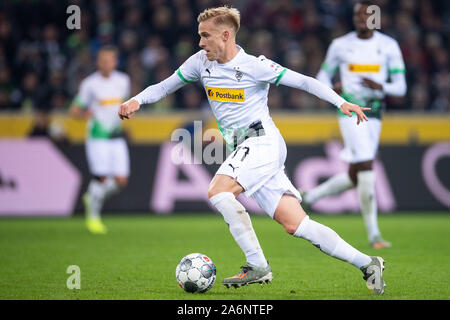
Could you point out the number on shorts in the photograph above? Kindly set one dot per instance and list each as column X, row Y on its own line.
column 246, row 152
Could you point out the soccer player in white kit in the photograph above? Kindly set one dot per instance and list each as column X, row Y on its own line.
column 365, row 59
column 237, row 86
column 98, row 99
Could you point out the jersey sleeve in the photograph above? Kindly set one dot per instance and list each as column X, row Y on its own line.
column 189, row 71
column 269, row 71
column 395, row 60
column 330, row 65
column 396, row 67
column 313, row 86
column 84, row 96
column 160, row 90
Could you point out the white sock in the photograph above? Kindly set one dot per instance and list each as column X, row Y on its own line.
column 366, row 192
column 97, row 192
column 329, row 242
column 111, row 186
column 240, row 226
column 332, row 186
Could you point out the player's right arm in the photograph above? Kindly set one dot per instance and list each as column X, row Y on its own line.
column 187, row 73
column 151, row 94
column 79, row 107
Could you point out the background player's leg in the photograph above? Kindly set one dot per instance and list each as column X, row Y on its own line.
column 120, row 165
column 111, row 186
column 293, row 218
column 100, row 158
column 335, row 185
column 96, row 194
column 99, row 189
column 364, row 177
column 366, row 192
column 222, row 194
column 114, row 184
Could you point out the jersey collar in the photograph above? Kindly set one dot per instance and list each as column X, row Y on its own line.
column 235, row 58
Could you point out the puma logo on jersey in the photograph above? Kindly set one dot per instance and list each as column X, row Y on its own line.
column 225, row 94
column 365, row 68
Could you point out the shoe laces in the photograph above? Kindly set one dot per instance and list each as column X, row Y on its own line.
column 245, row 269
column 367, row 275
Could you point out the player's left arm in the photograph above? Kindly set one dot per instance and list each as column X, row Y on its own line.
column 299, row 81
column 396, row 68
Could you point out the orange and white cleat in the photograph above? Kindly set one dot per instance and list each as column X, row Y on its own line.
column 379, row 243
column 373, row 274
column 248, row 275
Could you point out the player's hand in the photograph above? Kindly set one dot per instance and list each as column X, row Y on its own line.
column 79, row 113
column 128, row 109
column 88, row 114
column 366, row 82
column 347, row 108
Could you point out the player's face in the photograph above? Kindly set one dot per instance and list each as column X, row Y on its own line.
column 212, row 39
column 106, row 62
column 360, row 17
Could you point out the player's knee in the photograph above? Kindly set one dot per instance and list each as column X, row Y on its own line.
column 212, row 191
column 355, row 168
column 291, row 225
column 122, row 182
column 228, row 185
column 100, row 179
column 290, row 228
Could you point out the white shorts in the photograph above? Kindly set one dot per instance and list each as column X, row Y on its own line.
column 360, row 141
column 108, row 157
column 258, row 165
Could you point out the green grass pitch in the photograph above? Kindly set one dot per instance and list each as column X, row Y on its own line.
column 138, row 257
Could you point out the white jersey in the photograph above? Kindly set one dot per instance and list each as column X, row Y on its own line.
column 237, row 90
column 377, row 58
column 104, row 96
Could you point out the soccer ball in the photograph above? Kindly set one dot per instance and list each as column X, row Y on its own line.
column 196, row 273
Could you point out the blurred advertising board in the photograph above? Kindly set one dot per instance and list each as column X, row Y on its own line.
column 39, row 178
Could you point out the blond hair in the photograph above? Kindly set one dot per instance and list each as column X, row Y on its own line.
column 222, row 15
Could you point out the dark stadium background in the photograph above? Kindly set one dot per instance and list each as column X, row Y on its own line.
column 42, row 63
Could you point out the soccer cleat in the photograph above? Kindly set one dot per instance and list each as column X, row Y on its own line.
column 379, row 243
column 94, row 225
column 373, row 274
column 248, row 275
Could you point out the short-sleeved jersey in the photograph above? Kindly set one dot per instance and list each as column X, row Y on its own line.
column 237, row 90
column 376, row 58
column 104, row 96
